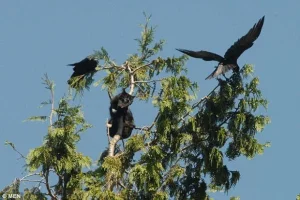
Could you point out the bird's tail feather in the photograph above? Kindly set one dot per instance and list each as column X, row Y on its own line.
column 212, row 75
column 221, row 69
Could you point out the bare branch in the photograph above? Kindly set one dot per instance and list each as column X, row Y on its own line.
column 121, row 184
column 20, row 153
column 48, row 186
column 115, row 66
column 148, row 81
column 120, row 72
column 34, row 174
column 156, row 118
column 108, row 126
column 112, row 145
column 52, row 107
column 14, row 148
column 34, row 181
column 132, row 81
column 140, row 88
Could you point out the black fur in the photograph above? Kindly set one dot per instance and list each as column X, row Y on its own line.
column 122, row 120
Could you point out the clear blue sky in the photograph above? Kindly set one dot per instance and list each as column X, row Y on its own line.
column 40, row 37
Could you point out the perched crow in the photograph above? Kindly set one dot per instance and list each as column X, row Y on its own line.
column 232, row 54
column 83, row 67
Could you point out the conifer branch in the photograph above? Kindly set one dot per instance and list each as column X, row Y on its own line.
column 198, row 103
column 50, row 86
column 146, row 65
column 52, row 108
column 14, row 148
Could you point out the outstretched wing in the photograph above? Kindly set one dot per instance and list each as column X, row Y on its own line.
column 244, row 42
column 205, row 55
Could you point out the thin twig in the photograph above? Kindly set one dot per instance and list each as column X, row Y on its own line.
column 121, row 184
column 146, row 65
column 77, row 78
column 48, row 186
column 228, row 117
column 14, row 148
column 132, row 81
column 52, row 106
column 123, row 144
column 168, row 174
column 148, row 81
column 111, row 67
column 120, row 72
column 34, row 174
column 153, row 123
column 37, row 181
column 198, row 103
column 140, row 88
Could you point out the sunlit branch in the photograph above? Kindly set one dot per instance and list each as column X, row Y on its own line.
column 147, row 65
column 148, row 81
column 34, row 181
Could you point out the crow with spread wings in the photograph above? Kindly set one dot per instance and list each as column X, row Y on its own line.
column 229, row 61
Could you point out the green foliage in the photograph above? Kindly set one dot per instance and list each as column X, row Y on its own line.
column 235, row 198
column 11, row 189
column 79, row 83
column 179, row 155
column 33, row 194
column 37, row 118
column 58, row 154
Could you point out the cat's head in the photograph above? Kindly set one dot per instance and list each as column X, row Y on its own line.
column 125, row 99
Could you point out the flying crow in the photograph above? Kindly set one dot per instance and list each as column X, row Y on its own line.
column 229, row 61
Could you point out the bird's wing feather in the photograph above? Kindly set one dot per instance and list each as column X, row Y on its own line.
column 244, row 42
column 221, row 69
column 82, row 62
column 205, row 55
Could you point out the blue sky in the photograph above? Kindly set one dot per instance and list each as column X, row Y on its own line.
column 43, row 36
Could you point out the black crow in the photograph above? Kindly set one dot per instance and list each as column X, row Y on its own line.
column 83, row 67
column 232, row 54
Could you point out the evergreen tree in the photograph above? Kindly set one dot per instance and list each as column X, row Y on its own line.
column 179, row 155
